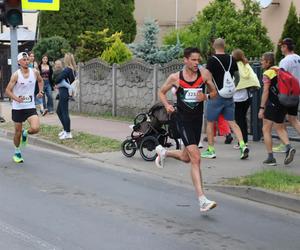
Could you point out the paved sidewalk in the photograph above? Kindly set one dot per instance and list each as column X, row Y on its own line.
column 226, row 165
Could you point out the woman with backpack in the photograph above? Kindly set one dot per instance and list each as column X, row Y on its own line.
column 272, row 112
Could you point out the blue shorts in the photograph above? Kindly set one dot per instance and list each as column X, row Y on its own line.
column 218, row 106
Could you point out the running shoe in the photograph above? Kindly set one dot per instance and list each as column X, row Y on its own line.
column 289, row 157
column 207, row 205
column 244, row 153
column 2, row 119
column 24, row 138
column 280, row 148
column 18, row 158
column 270, row 162
column 161, row 156
column 228, row 139
column 209, row 154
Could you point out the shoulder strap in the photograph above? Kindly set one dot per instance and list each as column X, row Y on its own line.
column 222, row 63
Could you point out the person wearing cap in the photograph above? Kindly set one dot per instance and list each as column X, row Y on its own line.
column 21, row 90
column 291, row 63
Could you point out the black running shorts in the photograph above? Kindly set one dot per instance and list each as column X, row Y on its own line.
column 190, row 130
column 22, row 115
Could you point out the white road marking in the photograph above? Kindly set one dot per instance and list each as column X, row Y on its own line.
column 26, row 237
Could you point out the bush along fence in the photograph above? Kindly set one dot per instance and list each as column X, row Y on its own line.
column 131, row 88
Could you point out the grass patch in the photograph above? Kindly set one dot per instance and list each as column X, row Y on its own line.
column 81, row 141
column 275, row 180
column 107, row 116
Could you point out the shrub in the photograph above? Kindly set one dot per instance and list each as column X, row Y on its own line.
column 55, row 47
column 117, row 53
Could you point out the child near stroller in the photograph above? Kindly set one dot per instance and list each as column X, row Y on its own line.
column 149, row 130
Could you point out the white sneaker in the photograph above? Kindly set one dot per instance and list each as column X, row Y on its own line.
column 161, row 156
column 65, row 136
column 207, row 205
column 61, row 133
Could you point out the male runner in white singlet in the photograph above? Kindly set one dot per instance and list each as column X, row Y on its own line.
column 21, row 90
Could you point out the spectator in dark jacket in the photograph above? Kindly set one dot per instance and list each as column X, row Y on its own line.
column 68, row 74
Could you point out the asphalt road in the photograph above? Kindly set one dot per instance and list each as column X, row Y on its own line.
column 59, row 201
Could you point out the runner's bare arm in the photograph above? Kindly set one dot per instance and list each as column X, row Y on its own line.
column 264, row 96
column 162, row 92
column 9, row 89
column 40, row 83
column 207, row 78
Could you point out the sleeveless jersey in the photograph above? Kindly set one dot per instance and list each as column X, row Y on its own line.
column 25, row 88
column 187, row 104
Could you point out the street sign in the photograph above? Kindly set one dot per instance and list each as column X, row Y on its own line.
column 40, row 5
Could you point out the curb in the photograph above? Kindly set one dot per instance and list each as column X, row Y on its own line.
column 285, row 201
column 34, row 140
column 276, row 199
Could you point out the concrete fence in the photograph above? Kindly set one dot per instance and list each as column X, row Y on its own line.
column 123, row 90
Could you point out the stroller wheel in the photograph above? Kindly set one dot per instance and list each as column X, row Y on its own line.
column 147, row 148
column 128, row 147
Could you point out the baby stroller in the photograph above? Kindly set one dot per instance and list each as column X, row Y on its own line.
column 149, row 130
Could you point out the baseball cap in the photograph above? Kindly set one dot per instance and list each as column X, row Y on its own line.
column 21, row 55
column 286, row 41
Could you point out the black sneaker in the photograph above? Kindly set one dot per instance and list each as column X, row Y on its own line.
column 289, row 156
column 228, row 139
column 270, row 162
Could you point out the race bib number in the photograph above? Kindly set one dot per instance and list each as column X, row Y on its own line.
column 26, row 98
column 190, row 95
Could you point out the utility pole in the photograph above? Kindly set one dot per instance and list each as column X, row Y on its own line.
column 12, row 18
column 13, row 48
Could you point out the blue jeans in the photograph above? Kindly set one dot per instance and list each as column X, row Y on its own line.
column 48, row 92
column 63, row 109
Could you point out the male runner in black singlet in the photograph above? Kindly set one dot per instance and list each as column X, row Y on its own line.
column 190, row 83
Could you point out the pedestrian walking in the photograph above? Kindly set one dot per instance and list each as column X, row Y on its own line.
column 222, row 67
column 190, row 86
column 243, row 95
column 68, row 75
column 290, row 63
column 21, row 90
column 46, row 72
column 272, row 112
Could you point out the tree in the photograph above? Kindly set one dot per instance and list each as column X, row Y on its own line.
column 117, row 53
column 92, row 44
column 54, row 47
column 291, row 29
column 148, row 49
column 76, row 17
column 240, row 28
